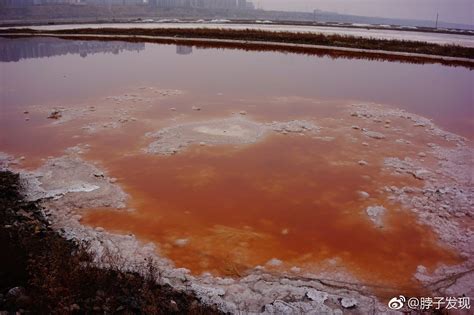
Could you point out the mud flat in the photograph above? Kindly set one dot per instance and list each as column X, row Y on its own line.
column 108, row 113
column 230, row 131
column 443, row 200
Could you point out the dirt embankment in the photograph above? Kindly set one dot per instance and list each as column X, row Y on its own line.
column 334, row 40
column 44, row 273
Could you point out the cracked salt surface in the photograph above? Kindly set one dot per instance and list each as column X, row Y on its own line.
column 446, row 196
column 236, row 130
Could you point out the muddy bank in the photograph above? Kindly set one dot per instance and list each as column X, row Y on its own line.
column 44, row 272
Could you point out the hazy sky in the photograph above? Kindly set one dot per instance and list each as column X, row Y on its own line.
column 460, row 11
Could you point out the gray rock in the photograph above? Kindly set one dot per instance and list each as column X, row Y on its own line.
column 421, row 174
column 363, row 194
column 15, row 292
column 376, row 214
column 293, row 126
column 348, row 302
column 317, row 296
column 374, row 134
column 174, row 307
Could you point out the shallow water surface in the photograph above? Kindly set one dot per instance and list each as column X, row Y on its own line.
column 290, row 198
column 75, row 70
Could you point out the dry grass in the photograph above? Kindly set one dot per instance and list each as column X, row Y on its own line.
column 295, row 38
column 55, row 276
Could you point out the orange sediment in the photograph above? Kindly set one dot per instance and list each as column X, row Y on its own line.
column 292, row 198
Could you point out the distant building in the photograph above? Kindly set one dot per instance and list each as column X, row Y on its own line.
column 26, row 3
column 198, row 4
column 16, row 3
column 113, row 2
column 39, row 2
column 202, row 4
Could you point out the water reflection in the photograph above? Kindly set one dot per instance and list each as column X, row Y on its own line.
column 219, row 75
column 184, row 50
column 13, row 50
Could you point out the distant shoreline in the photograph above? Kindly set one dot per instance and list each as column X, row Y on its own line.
column 409, row 51
column 242, row 21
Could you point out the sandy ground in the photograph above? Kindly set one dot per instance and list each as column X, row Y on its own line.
column 67, row 184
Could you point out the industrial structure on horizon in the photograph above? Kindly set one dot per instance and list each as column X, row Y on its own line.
column 204, row 4
column 25, row 3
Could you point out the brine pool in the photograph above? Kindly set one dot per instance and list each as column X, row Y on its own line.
column 287, row 200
